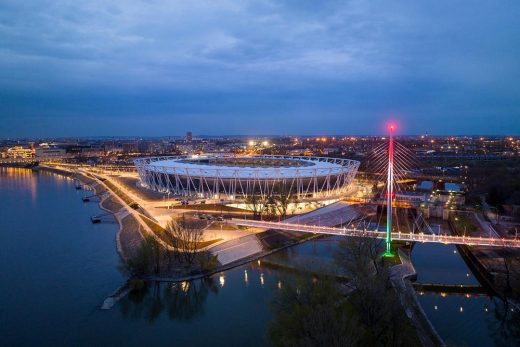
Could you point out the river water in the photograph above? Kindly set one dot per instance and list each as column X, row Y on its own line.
column 57, row 268
column 462, row 320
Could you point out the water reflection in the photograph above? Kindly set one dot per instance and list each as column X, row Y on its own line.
column 182, row 301
column 20, row 180
column 469, row 319
column 187, row 301
column 504, row 326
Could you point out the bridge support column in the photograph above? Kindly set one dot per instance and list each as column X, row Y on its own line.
column 390, row 194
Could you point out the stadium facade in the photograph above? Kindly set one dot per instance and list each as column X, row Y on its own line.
column 239, row 178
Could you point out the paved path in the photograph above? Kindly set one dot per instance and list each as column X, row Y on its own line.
column 233, row 250
column 331, row 215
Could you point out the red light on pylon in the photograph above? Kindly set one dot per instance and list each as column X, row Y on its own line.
column 391, row 127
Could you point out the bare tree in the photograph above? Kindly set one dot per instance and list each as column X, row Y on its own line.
column 256, row 203
column 360, row 257
column 270, row 206
column 185, row 236
column 374, row 299
column 283, row 199
column 512, row 275
column 147, row 258
column 316, row 311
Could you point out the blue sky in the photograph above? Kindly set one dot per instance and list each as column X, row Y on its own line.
column 152, row 68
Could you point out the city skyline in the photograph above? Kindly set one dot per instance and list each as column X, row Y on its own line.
column 152, row 69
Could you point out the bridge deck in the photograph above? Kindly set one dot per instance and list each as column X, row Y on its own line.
column 418, row 237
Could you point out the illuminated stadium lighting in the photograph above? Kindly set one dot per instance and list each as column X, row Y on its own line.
column 303, row 178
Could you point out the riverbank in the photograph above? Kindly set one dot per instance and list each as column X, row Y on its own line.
column 490, row 266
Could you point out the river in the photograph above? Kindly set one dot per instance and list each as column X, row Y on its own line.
column 461, row 320
column 57, row 268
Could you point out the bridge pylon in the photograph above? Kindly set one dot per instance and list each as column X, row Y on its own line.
column 390, row 193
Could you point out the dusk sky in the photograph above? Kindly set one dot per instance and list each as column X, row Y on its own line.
column 155, row 68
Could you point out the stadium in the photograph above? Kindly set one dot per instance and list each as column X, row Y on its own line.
column 245, row 177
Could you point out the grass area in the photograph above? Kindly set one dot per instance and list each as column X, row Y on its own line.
column 394, row 246
column 464, row 224
column 119, row 192
column 112, row 205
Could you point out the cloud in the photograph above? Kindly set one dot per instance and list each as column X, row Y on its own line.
column 434, row 58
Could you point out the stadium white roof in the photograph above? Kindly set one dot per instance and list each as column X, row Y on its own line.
column 318, row 168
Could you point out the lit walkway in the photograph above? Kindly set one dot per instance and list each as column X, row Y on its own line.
column 398, row 236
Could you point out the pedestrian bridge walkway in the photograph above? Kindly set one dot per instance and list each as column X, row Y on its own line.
column 398, row 236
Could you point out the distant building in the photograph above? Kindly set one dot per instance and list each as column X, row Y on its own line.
column 186, row 148
column 129, row 147
column 20, row 152
column 426, row 186
column 145, row 146
column 412, row 197
column 92, row 151
column 452, row 187
column 302, row 151
column 330, row 150
column 45, row 152
column 113, row 149
column 189, row 136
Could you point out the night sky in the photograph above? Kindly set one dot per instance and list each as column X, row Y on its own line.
column 158, row 67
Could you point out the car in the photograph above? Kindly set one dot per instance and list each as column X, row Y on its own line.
column 220, row 219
